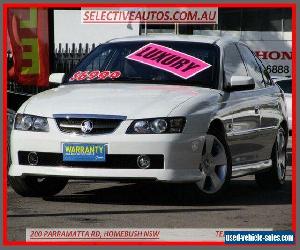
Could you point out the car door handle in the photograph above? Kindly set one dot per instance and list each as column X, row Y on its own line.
column 256, row 110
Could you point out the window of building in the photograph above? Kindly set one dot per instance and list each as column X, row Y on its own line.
column 252, row 19
column 272, row 20
column 157, row 28
column 191, row 28
column 230, row 19
column 287, row 20
column 246, row 19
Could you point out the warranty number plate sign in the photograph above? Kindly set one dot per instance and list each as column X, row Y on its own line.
column 84, row 152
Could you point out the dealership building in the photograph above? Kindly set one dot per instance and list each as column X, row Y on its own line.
column 267, row 31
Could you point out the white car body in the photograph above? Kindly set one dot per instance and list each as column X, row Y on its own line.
column 245, row 117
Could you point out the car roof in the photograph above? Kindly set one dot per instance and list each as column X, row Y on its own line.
column 181, row 38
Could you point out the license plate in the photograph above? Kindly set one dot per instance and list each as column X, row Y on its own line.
column 83, row 152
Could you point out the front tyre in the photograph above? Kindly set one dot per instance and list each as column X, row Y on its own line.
column 215, row 165
column 274, row 178
column 31, row 186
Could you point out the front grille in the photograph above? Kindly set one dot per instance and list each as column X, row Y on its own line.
column 113, row 161
column 100, row 126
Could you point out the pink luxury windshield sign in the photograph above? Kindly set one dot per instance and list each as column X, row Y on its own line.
column 173, row 61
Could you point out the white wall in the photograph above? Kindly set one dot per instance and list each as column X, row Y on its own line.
column 68, row 29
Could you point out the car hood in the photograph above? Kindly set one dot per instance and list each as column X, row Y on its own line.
column 130, row 100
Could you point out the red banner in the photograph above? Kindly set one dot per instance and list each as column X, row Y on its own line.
column 29, row 40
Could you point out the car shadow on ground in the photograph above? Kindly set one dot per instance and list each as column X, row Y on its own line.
column 240, row 192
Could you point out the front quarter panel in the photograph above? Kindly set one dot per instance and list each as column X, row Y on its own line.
column 201, row 110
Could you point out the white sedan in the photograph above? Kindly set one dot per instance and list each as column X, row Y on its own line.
column 166, row 108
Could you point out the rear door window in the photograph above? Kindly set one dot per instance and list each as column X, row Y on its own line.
column 265, row 73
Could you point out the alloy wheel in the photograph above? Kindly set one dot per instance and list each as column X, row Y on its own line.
column 213, row 165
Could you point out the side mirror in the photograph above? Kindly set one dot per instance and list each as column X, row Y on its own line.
column 56, row 78
column 241, row 83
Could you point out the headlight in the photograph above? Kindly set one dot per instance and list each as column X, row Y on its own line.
column 157, row 126
column 31, row 123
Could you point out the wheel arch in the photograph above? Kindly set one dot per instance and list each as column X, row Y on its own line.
column 284, row 125
column 217, row 125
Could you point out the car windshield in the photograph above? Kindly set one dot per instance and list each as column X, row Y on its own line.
column 285, row 85
column 111, row 57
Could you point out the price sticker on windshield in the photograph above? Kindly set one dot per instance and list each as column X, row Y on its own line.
column 94, row 75
column 173, row 61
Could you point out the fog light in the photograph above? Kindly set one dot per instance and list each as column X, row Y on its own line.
column 33, row 158
column 143, row 161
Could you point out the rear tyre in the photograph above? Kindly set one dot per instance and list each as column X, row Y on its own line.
column 215, row 166
column 274, row 178
column 31, row 186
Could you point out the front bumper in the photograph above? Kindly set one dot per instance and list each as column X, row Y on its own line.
column 182, row 154
column 168, row 175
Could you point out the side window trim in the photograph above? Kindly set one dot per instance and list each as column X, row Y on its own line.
column 238, row 49
column 245, row 46
column 233, row 44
